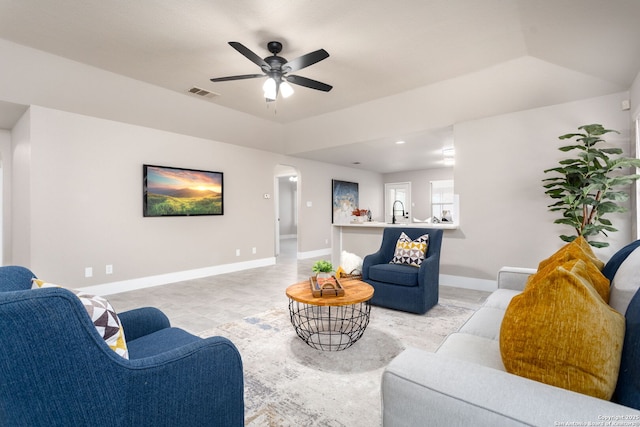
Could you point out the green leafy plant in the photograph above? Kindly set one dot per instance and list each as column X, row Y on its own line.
column 322, row 266
column 586, row 188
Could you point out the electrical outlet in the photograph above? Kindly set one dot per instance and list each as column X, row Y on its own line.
column 237, row 252
column 253, row 250
column 108, row 269
column 326, row 241
column 88, row 272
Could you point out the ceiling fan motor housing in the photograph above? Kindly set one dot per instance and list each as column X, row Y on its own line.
column 274, row 47
column 275, row 64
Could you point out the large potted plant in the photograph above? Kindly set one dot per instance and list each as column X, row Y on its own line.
column 588, row 187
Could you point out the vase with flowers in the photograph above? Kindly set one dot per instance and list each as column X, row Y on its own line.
column 361, row 215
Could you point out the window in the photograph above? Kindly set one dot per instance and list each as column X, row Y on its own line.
column 442, row 200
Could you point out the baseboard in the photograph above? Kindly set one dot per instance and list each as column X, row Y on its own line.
column 468, row 283
column 165, row 279
column 314, row 254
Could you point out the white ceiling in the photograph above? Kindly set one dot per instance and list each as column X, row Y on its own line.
column 378, row 49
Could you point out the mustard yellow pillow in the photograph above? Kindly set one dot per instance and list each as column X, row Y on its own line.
column 559, row 331
column 584, row 269
column 578, row 249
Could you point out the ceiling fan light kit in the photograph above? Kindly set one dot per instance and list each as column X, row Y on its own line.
column 270, row 90
column 286, row 89
column 277, row 69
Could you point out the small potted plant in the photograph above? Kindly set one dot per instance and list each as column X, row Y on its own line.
column 323, row 271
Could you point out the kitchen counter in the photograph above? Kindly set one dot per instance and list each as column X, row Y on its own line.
column 365, row 238
column 376, row 224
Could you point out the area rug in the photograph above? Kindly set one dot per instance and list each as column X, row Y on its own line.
column 288, row 383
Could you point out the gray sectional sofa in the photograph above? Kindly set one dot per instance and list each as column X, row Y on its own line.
column 464, row 383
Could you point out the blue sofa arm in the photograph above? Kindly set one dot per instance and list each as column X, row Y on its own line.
column 142, row 321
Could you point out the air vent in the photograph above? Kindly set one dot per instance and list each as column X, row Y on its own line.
column 201, row 92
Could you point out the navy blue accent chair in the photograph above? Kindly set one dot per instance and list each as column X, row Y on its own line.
column 403, row 287
column 56, row 370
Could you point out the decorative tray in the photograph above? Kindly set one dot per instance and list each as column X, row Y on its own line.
column 330, row 288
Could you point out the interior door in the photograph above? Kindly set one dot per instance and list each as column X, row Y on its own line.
column 397, row 202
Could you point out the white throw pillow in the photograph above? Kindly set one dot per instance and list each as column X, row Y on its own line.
column 626, row 282
column 350, row 263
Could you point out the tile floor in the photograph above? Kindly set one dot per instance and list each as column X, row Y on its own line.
column 201, row 304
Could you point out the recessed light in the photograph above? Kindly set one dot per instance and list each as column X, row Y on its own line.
column 400, row 142
column 448, row 152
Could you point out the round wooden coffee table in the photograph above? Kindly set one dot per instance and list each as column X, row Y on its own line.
column 333, row 322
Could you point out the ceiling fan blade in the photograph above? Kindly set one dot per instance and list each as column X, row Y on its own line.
column 305, row 60
column 249, row 54
column 313, row 84
column 242, row 77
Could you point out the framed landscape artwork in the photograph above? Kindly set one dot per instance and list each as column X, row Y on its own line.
column 169, row 191
column 344, row 200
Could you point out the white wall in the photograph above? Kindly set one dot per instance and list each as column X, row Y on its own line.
column 635, row 116
column 79, row 185
column 440, row 105
column 32, row 77
column 635, row 97
column 19, row 232
column 5, row 195
column 86, row 201
column 498, row 174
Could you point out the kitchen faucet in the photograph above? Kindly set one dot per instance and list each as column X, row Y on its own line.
column 393, row 211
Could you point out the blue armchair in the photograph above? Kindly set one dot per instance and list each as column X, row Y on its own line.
column 56, row 369
column 404, row 287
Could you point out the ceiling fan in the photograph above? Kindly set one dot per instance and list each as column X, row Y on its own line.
column 277, row 69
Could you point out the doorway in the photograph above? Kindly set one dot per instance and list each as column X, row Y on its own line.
column 286, row 213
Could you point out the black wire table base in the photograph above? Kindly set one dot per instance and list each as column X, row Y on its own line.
column 331, row 328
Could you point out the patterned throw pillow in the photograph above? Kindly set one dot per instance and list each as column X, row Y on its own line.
column 102, row 315
column 410, row 252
